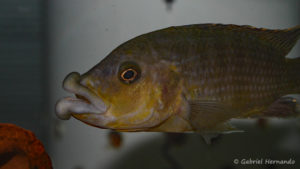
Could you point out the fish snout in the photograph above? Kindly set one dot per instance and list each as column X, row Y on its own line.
column 86, row 100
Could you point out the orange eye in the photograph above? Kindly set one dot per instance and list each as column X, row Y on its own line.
column 129, row 72
column 129, row 75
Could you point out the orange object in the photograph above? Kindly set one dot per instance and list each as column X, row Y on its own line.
column 20, row 149
column 115, row 139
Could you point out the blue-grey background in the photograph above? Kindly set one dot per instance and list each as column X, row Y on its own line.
column 22, row 66
column 42, row 41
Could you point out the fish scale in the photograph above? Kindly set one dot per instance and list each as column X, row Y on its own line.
column 189, row 78
column 248, row 61
column 237, row 79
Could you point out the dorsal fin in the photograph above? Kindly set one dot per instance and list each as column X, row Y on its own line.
column 284, row 39
column 281, row 39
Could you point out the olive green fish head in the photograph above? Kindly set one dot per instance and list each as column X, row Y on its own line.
column 130, row 90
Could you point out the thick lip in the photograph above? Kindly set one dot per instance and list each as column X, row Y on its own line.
column 86, row 102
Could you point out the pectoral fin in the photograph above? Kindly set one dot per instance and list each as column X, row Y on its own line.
column 213, row 133
column 208, row 138
column 208, row 116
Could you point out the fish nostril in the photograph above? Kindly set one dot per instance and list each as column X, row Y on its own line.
column 83, row 82
column 87, row 82
column 83, row 86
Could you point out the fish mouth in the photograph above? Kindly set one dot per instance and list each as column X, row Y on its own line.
column 86, row 101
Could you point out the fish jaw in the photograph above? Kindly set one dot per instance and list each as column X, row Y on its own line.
column 113, row 105
column 69, row 106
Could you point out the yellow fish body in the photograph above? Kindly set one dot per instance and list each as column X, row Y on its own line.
column 187, row 78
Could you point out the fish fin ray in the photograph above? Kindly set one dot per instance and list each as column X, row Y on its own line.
column 283, row 39
column 285, row 106
column 224, row 128
column 209, row 137
column 206, row 115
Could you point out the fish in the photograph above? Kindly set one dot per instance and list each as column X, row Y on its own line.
column 191, row 78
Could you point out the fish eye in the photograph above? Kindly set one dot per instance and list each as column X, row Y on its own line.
column 129, row 72
column 129, row 75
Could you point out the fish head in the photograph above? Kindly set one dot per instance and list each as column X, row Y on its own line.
column 129, row 90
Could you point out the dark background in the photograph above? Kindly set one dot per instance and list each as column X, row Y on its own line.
column 22, row 66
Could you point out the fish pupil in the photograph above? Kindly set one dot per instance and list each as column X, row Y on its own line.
column 129, row 74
